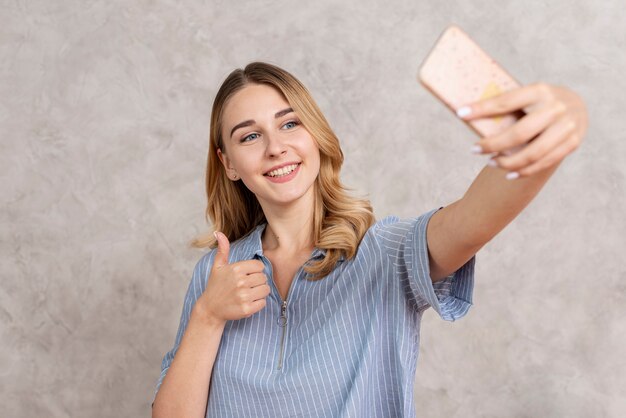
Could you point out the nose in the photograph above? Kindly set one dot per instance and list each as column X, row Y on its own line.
column 275, row 145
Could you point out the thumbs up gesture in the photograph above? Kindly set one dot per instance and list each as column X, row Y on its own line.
column 233, row 291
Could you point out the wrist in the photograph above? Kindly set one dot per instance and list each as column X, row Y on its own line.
column 200, row 314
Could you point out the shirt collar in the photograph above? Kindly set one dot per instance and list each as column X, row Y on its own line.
column 256, row 246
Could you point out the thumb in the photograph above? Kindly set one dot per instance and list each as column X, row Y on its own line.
column 223, row 248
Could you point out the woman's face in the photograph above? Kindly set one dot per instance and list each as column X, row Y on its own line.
column 267, row 147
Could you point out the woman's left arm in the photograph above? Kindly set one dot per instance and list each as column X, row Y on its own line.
column 553, row 127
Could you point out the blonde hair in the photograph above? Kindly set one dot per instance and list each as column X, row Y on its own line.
column 339, row 220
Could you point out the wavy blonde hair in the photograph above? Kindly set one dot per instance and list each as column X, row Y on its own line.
column 340, row 221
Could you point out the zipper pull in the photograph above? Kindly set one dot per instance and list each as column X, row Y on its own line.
column 282, row 321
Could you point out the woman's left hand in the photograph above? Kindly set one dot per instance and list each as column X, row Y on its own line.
column 556, row 118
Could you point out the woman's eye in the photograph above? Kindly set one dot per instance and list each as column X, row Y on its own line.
column 250, row 137
column 290, row 125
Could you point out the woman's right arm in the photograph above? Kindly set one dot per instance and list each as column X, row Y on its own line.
column 185, row 388
column 233, row 291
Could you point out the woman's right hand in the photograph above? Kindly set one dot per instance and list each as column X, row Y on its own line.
column 234, row 291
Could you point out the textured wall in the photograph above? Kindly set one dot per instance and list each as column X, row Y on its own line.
column 104, row 112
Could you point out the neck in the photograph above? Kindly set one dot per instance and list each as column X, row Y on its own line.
column 290, row 227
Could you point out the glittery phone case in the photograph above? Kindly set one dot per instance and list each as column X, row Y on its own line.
column 459, row 72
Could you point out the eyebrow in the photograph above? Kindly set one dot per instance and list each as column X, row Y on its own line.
column 252, row 122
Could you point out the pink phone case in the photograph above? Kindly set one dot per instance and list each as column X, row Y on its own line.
column 459, row 72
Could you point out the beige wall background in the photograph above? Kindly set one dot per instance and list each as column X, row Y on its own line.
column 104, row 113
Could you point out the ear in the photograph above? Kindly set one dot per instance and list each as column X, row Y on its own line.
column 224, row 159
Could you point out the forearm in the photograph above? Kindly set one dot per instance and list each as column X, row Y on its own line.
column 492, row 202
column 185, row 388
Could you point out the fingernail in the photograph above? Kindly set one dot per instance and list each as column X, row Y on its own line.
column 215, row 234
column 463, row 111
column 477, row 149
column 492, row 163
column 512, row 175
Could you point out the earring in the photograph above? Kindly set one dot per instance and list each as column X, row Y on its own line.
column 235, row 176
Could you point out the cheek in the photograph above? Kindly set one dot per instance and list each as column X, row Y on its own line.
column 246, row 162
column 316, row 154
column 315, row 165
column 310, row 148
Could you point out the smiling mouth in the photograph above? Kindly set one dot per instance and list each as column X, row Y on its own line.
column 283, row 171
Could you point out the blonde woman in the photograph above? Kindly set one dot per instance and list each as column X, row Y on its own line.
column 306, row 305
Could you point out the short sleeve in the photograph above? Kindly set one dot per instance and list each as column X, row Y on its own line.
column 195, row 289
column 405, row 243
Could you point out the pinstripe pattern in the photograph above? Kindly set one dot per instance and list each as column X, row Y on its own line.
column 351, row 339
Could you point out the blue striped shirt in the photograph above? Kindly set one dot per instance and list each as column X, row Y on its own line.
column 343, row 346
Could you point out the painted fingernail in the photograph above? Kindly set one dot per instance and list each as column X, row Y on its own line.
column 463, row 111
column 477, row 149
column 512, row 175
column 492, row 163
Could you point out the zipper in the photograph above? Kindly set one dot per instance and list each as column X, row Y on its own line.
column 282, row 321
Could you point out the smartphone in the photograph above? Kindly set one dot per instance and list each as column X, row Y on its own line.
column 458, row 72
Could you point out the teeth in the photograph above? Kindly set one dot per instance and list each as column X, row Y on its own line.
column 282, row 171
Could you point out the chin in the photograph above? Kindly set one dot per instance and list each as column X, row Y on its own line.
column 285, row 198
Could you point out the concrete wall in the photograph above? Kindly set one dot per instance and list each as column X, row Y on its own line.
column 104, row 113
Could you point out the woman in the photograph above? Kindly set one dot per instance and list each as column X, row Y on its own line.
column 308, row 307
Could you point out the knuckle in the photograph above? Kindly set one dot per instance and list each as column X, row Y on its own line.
column 246, row 310
column 555, row 158
column 517, row 132
column 490, row 146
column 543, row 86
column 544, row 165
column 506, row 164
column 500, row 105
column 521, row 162
column 571, row 149
column 559, row 108
column 517, row 163
column 236, row 268
column 241, row 283
column 535, row 168
column 544, row 89
column 552, row 160
column 570, row 125
column 534, row 156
